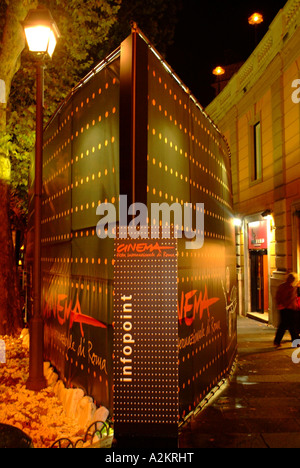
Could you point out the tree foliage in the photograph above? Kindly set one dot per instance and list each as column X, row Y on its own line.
column 90, row 29
column 84, row 27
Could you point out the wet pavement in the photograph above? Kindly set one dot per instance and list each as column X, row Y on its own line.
column 260, row 406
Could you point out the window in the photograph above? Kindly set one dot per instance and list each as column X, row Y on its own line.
column 257, row 153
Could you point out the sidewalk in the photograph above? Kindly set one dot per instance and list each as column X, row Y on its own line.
column 260, row 407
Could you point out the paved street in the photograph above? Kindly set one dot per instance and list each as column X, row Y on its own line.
column 260, row 408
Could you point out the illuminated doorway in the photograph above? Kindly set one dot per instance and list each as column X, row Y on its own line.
column 296, row 237
column 259, row 281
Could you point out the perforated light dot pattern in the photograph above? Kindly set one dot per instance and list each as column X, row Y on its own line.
column 145, row 336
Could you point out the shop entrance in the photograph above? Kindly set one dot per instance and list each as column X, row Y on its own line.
column 259, row 281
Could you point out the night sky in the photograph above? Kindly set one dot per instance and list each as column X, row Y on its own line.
column 211, row 33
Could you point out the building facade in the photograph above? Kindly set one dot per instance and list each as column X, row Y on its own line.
column 259, row 114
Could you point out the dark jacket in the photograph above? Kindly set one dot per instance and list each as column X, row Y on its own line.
column 286, row 296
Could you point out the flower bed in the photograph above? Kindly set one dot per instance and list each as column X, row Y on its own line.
column 39, row 414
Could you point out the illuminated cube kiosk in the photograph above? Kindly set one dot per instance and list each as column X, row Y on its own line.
column 131, row 127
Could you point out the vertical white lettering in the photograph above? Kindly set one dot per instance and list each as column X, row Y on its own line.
column 127, row 339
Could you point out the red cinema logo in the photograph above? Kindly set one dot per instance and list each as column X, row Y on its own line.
column 143, row 248
column 194, row 303
column 60, row 307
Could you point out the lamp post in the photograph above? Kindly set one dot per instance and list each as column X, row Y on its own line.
column 218, row 72
column 41, row 34
column 254, row 20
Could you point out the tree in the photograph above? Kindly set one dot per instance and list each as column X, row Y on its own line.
column 90, row 29
column 11, row 46
column 71, row 61
column 84, row 25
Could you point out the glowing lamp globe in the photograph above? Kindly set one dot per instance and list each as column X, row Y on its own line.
column 256, row 18
column 218, row 71
column 41, row 31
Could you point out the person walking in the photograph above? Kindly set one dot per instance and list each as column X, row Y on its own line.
column 286, row 299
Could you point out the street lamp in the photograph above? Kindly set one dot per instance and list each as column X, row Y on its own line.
column 254, row 20
column 218, row 72
column 41, row 34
